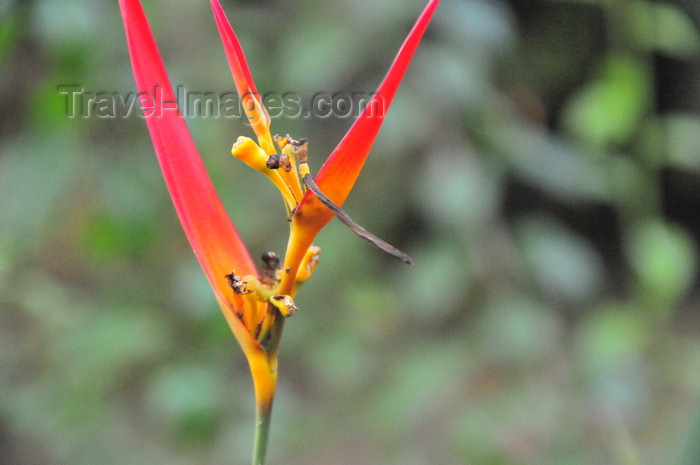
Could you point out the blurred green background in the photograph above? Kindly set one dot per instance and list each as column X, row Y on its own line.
column 541, row 164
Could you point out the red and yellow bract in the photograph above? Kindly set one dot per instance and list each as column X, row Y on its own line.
column 256, row 321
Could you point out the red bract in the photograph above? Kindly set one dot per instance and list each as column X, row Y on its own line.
column 211, row 234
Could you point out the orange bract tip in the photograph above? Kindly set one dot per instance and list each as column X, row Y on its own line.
column 250, row 98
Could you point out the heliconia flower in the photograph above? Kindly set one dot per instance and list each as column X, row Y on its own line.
column 255, row 303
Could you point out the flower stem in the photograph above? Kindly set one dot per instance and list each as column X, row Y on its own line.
column 263, row 365
column 262, row 430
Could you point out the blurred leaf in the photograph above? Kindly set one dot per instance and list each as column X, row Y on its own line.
column 517, row 330
column 609, row 346
column 542, row 160
column 629, row 182
column 446, row 276
column 489, row 23
column 665, row 262
column 66, row 23
column 328, row 68
column 563, row 264
column 682, row 138
column 109, row 237
column 108, row 343
column 346, row 358
column 188, row 397
column 663, row 27
column 8, row 32
column 608, row 110
column 456, row 191
column 423, row 377
column 33, row 185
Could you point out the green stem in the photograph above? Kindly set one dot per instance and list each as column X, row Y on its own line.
column 262, row 430
column 265, row 382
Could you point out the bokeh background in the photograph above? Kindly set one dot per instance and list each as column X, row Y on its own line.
column 541, row 163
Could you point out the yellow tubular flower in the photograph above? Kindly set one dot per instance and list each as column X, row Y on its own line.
column 249, row 152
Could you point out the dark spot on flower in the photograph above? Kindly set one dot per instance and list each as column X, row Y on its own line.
column 273, row 162
column 238, row 286
column 271, row 262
